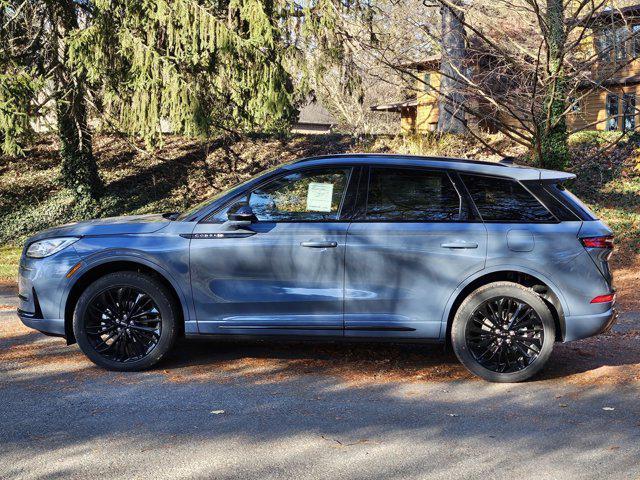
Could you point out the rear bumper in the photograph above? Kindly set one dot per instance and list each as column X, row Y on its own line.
column 45, row 325
column 583, row 326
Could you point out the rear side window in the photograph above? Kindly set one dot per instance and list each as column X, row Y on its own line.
column 412, row 195
column 505, row 200
column 571, row 201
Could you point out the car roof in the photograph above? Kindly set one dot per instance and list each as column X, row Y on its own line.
column 510, row 170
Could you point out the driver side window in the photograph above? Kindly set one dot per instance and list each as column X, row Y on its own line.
column 312, row 195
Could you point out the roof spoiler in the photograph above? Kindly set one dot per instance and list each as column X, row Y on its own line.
column 545, row 175
column 508, row 160
column 555, row 176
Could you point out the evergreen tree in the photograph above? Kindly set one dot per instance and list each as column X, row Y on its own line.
column 34, row 72
column 203, row 66
column 79, row 170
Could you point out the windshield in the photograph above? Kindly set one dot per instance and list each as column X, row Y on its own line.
column 187, row 213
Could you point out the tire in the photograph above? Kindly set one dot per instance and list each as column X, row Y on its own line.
column 111, row 339
column 496, row 341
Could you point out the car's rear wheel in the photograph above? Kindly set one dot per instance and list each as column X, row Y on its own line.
column 125, row 321
column 503, row 332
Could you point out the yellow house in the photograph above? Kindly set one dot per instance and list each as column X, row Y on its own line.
column 612, row 105
column 420, row 114
column 606, row 102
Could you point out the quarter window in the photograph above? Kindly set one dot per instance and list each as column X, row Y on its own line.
column 412, row 195
column 504, row 200
column 301, row 196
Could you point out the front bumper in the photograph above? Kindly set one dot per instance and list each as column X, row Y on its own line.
column 45, row 325
column 42, row 284
column 583, row 326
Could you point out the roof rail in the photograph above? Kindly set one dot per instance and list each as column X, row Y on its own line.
column 401, row 155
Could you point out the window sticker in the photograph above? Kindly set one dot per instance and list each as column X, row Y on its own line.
column 319, row 196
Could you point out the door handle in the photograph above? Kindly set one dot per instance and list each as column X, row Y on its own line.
column 319, row 244
column 459, row 245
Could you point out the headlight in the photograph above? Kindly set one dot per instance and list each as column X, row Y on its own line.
column 44, row 248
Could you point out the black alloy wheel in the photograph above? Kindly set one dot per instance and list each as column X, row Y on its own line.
column 505, row 335
column 123, row 324
column 126, row 321
column 503, row 332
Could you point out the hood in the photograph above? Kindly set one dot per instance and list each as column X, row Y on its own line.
column 129, row 225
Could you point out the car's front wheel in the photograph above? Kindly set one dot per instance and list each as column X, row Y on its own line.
column 125, row 321
column 503, row 332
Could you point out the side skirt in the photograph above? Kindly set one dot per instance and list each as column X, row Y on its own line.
column 313, row 339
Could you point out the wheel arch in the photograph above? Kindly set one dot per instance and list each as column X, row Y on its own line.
column 543, row 286
column 98, row 269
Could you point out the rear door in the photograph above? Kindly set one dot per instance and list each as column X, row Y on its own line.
column 415, row 241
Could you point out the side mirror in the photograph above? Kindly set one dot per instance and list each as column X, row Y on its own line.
column 241, row 215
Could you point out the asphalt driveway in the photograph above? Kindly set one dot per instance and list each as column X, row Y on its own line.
column 266, row 410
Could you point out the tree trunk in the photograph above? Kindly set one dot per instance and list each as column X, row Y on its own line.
column 551, row 149
column 451, row 116
column 79, row 170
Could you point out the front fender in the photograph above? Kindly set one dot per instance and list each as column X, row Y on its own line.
column 135, row 256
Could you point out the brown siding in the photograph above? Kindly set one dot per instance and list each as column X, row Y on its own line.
column 593, row 113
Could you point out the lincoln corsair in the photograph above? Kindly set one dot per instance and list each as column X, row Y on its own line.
column 499, row 260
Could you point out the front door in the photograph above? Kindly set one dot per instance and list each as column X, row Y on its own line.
column 409, row 253
column 286, row 275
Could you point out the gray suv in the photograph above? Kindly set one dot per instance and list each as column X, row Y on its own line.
column 500, row 260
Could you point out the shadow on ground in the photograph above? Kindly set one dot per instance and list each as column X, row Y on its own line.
column 613, row 358
column 240, row 410
column 272, row 410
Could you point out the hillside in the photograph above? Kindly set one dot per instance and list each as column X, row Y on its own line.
column 186, row 172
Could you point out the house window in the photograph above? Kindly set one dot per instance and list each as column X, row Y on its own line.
column 629, row 112
column 612, row 112
column 574, row 105
column 635, row 40
column 622, row 35
column 426, row 81
column 605, row 44
column 611, row 43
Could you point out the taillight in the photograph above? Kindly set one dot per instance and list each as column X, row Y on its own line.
column 609, row 297
column 598, row 242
